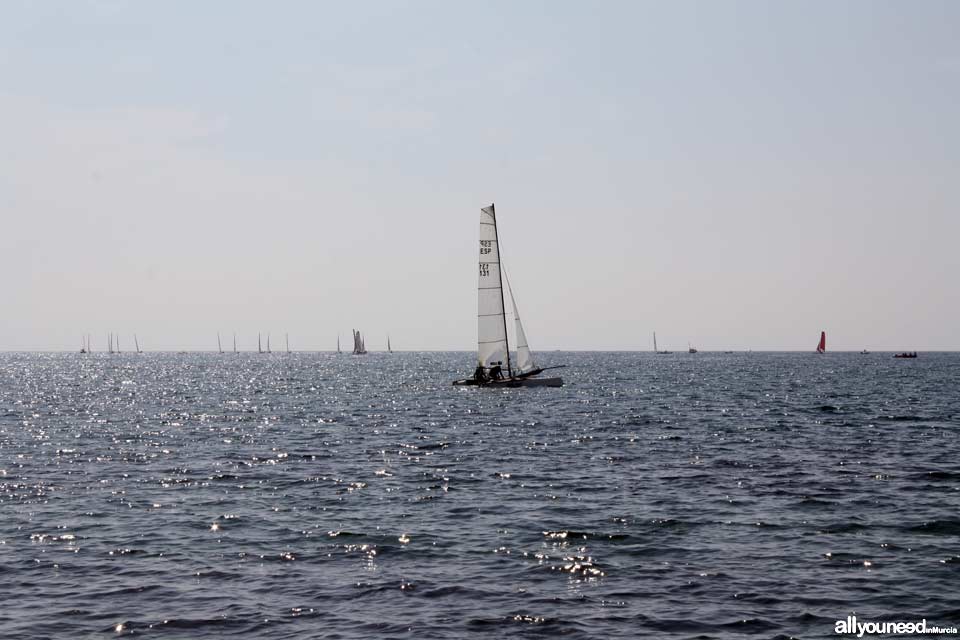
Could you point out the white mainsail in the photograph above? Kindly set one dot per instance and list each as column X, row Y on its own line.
column 524, row 361
column 492, row 345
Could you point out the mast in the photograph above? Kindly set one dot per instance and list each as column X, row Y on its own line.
column 503, row 306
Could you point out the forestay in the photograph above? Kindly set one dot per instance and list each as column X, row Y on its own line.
column 491, row 321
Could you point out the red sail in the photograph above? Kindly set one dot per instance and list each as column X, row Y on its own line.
column 823, row 342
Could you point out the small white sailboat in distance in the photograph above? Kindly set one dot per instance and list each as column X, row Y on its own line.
column 493, row 346
column 136, row 343
column 338, row 345
column 389, row 350
column 655, row 350
column 118, row 343
column 286, row 337
column 219, row 346
column 234, row 341
column 359, row 348
column 691, row 348
column 259, row 347
column 268, row 344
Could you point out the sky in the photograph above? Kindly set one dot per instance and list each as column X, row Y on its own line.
column 737, row 174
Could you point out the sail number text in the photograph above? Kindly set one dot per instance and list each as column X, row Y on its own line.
column 486, row 247
column 484, row 269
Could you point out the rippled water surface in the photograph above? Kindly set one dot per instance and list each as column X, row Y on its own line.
column 316, row 495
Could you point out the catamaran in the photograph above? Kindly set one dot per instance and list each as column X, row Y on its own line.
column 822, row 346
column 493, row 346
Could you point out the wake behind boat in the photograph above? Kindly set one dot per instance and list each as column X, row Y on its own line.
column 494, row 365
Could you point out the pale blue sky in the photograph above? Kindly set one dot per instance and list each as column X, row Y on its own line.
column 735, row 174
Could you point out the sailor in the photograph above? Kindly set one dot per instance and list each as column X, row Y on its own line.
column 479, row 375
column 496, row 372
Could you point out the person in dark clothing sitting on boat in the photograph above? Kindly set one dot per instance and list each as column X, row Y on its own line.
column 480, row 375
column 496, row 372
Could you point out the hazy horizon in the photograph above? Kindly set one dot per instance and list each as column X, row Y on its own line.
column 735, row 175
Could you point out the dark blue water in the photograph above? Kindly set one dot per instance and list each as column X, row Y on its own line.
column 324, row 496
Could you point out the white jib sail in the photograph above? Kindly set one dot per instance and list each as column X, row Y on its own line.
column 524, row 362
column 491, row 322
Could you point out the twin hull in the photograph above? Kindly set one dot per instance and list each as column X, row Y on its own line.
column 511, row 382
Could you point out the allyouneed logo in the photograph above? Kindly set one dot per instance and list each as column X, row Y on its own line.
column 850, row 625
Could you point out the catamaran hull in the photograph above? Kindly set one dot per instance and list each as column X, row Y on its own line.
column 511, row 383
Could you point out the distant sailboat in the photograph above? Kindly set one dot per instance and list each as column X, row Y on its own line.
column 359, row 348
column 109, row 343
column 389, row 350
column 655, row 350
column 219, row 346
column 338, row 345
column 259, row 348
column 493, row 345
column 286, row 337
column 234, row 341
column 136, row 343
column 691, row 348
column 83, row 344
column 822, row 346
column 268, row 344
column 118, row 343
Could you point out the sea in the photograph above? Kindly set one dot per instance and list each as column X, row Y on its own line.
column 317, row 495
